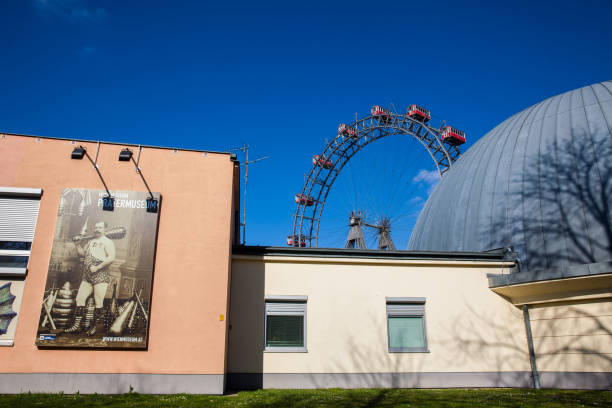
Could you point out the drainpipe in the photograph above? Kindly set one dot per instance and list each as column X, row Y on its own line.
column 532, row 358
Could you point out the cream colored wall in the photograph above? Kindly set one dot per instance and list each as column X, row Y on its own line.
column 573, row 336
column 469, row 328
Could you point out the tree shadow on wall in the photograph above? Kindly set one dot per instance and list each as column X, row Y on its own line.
column 357, row 366
column 477, row 341
column 561, row 214
column 480, row 349
column 568, row 339
column 572, row 344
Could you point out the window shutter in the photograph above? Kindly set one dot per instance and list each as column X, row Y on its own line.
column 286, row 309
column 405, row 309
column 18, row 218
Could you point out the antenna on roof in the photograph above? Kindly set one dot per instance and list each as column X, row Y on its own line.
column 245, row 149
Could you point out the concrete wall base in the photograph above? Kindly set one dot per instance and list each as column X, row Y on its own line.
column 214, row 383
column 381, row 380
column 513, row 379
column 84, row 383
column 576, row 380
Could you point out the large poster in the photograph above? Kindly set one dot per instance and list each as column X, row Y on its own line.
column 11, row 292
column 98, row 290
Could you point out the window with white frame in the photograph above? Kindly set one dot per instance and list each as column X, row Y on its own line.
column 285, row 323
column 406, row 325
column 18, row 215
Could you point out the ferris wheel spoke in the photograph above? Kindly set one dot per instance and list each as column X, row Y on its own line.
column 388, row 208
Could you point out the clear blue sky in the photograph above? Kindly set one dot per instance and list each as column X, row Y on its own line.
column 282, row 75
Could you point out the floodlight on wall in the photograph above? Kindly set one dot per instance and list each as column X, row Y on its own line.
column 78, row 153
column 108, row 202
column 127, row 155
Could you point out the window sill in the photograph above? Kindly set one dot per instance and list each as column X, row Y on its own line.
column 286, row 350
column 409, row 350
column 9, row 271
column 6, row 343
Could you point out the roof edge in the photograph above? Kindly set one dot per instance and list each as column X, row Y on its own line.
column 572, row 271
column 117, row 143
column 501, row 254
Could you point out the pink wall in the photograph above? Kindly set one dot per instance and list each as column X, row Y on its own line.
column 192, row 266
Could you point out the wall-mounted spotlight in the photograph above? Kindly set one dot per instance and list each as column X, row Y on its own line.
column 108, row 202
column 78, row 153
column 125, row 155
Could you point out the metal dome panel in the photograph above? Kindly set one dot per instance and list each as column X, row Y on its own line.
column 540, row 181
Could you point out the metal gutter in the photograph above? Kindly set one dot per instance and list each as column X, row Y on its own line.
column 532, row 357
column 499, row 255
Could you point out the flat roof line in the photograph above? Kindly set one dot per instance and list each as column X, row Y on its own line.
column 117, row 144
column 501, row 254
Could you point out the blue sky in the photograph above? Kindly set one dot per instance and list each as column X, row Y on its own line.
column 282, row 75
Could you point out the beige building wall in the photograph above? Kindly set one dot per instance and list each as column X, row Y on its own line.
column 571, row 324
column 188, row 326
column 573, row 336
column 469, row 328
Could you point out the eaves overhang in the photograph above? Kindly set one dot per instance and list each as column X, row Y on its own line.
column 576, row 282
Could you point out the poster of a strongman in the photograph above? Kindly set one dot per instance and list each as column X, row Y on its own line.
column 98, row 290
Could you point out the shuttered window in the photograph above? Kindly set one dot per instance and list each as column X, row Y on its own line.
column 18, row 218
column 285, row 325
column 18, row 215
column 406, row 325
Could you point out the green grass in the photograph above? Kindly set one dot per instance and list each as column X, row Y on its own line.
column 336, row 398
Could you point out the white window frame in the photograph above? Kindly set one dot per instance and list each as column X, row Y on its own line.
column 7, row 193
column 284, row 300
column 25, row 231
column 406, row 307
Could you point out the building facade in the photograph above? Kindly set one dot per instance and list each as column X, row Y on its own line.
column 120, row 270
column 459, row 333
column 317, row 318
column 168, row 275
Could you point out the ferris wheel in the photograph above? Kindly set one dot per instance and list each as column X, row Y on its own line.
column 441, row 142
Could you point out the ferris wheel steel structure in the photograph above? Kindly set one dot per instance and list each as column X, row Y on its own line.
column 343, row 147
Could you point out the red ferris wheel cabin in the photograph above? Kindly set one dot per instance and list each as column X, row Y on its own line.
column 418, row 113
column 453, row 136
column 381, row 113
column 322, row 161
column 292, row 241
column 304, row 199
column 344, row 130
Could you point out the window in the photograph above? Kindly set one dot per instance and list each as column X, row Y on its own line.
column 18, row 214
column 406, row 325
column 285, row 325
